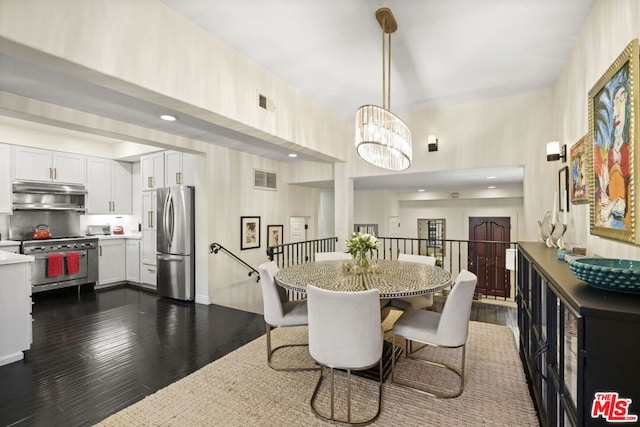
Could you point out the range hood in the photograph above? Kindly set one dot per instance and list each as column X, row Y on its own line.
column 32, row 195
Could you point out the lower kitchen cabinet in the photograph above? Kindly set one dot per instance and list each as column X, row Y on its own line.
column 576, row 341
column 15, row 311
column 148, row 275
column 133, row 260
column 111, row 261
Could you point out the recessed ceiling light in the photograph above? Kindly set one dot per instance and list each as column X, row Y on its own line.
column 421, row 190
column 491, row 186
column 292, row 155
column 492, row 177
column 168, row 117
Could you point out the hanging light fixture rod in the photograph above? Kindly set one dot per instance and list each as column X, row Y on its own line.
column 386, row 20
column 389, row 25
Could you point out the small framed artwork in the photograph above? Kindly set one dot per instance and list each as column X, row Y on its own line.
column 579, row 161
column 613, row 137
column 563, row 189
column 274, row 235
column 249, row 232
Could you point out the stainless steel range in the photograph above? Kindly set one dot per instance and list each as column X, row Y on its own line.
column 58, row 253
column 62, row 256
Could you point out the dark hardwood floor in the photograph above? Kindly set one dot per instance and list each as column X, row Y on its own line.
column 95, row 353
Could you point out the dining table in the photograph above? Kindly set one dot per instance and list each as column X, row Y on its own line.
column 392, row 278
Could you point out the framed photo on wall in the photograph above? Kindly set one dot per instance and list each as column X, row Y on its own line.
column 613, row 135
column 274, row 235
column 579, row 162
column 249, row 232
column 563, row 189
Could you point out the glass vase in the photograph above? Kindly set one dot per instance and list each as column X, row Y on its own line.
column 361, row 259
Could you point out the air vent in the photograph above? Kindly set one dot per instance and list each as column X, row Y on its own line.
column 264, row 180
column 266, row 103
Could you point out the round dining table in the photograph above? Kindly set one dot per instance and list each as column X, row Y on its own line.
column 393, row 279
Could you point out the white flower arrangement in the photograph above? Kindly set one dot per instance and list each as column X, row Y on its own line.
column 361, row 243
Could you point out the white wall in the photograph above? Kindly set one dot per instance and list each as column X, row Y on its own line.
column 173, row 62
column 457, row 213
column 326, row 217
column 609, row 28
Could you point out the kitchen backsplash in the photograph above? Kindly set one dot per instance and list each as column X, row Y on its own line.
column 128, row 222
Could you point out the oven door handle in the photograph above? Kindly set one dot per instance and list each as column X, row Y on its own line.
column 45, row 256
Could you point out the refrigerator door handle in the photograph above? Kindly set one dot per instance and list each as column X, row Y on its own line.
column 165, row 221
column 170, row 258
column 172, row 218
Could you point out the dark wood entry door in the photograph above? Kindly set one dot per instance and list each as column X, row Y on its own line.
column 487, row 260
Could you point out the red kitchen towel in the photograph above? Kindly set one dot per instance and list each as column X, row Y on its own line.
column 54, row 265
column 73, row 262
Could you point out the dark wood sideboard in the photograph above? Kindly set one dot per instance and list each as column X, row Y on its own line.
column 575, row 341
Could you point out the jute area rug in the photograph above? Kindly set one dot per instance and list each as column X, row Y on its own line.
column 241, row 390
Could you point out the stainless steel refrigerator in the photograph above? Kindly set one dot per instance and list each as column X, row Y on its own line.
column 176, row 242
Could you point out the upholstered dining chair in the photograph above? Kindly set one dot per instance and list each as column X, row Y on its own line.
column 279, row 311
column 421, row 301
column 447, row 329
column 344, row 333
column 332, row 256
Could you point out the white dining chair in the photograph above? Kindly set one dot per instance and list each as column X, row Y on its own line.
column 332, row 256
column 279, row 311
column 344, row 333
column 447, row 329
column 421, row 301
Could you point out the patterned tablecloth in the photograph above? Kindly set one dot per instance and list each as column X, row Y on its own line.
column 393, row 279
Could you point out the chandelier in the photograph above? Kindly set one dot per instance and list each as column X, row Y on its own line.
column 382, row 139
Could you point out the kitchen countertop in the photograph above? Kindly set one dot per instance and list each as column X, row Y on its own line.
column 9, row 243
column 11, row 258
column 135, row 236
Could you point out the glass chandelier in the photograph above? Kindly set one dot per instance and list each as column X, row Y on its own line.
column 382, row 139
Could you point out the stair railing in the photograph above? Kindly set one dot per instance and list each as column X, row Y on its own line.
column 214, row 248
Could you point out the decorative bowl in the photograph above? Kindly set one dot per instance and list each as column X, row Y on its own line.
column 621, row 275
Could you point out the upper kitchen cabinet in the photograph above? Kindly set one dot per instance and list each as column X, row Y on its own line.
column 5, row 179
column 179, row 168
column 108, row 186
column 152, row 171
column 34, row 164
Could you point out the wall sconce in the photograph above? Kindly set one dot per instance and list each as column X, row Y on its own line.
column 555, row 153
column 432, row 142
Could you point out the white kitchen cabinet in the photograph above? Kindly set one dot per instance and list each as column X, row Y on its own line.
column 35, row 164
column 152, row 171
column 111, row 261
column 5, row 179
column 15, row 309
column 148, row 239
column 133, row 260
column 108, row 186
column 179, row 168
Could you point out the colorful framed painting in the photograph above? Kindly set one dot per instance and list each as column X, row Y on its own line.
column 249, row 232
column 274, row 235
column 613, row 135
column 579, row 161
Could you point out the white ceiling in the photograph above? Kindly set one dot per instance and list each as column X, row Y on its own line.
column 444, row 52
